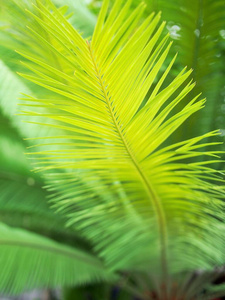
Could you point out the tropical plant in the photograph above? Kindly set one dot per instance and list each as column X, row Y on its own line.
column 196, row 28
column 197, row 31
column 149, row 210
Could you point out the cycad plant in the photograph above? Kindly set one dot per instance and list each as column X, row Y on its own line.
column 150, row 212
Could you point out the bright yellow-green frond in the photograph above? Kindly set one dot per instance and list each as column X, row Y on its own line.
column 145, row 204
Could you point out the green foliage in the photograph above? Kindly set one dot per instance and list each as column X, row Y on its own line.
column 82, row 18
column 108, row 111
column 196, row 28
column 23, row 200
column 30, row 261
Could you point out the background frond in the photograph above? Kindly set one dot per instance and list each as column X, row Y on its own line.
column 197, row 30
column 29, row 261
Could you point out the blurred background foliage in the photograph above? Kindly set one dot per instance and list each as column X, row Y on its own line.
column 197, row 28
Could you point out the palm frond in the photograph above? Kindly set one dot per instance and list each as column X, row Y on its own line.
column 29, row 261
column 145, row 209
column 23, row 200
column 79, row 16
column 196, row 28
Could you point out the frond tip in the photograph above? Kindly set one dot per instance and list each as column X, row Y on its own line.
column 144, row 205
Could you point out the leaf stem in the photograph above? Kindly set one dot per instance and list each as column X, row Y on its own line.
column 148, row 186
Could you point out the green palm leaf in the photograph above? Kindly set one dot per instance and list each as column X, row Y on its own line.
column 145, row 208
column 196, row 27
column 23, row 200
column 79, row 16
column 29, row 261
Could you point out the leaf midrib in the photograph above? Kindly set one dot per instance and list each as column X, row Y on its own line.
column 148, row 186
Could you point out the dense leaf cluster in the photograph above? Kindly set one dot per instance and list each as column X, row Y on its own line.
column 126, row 187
